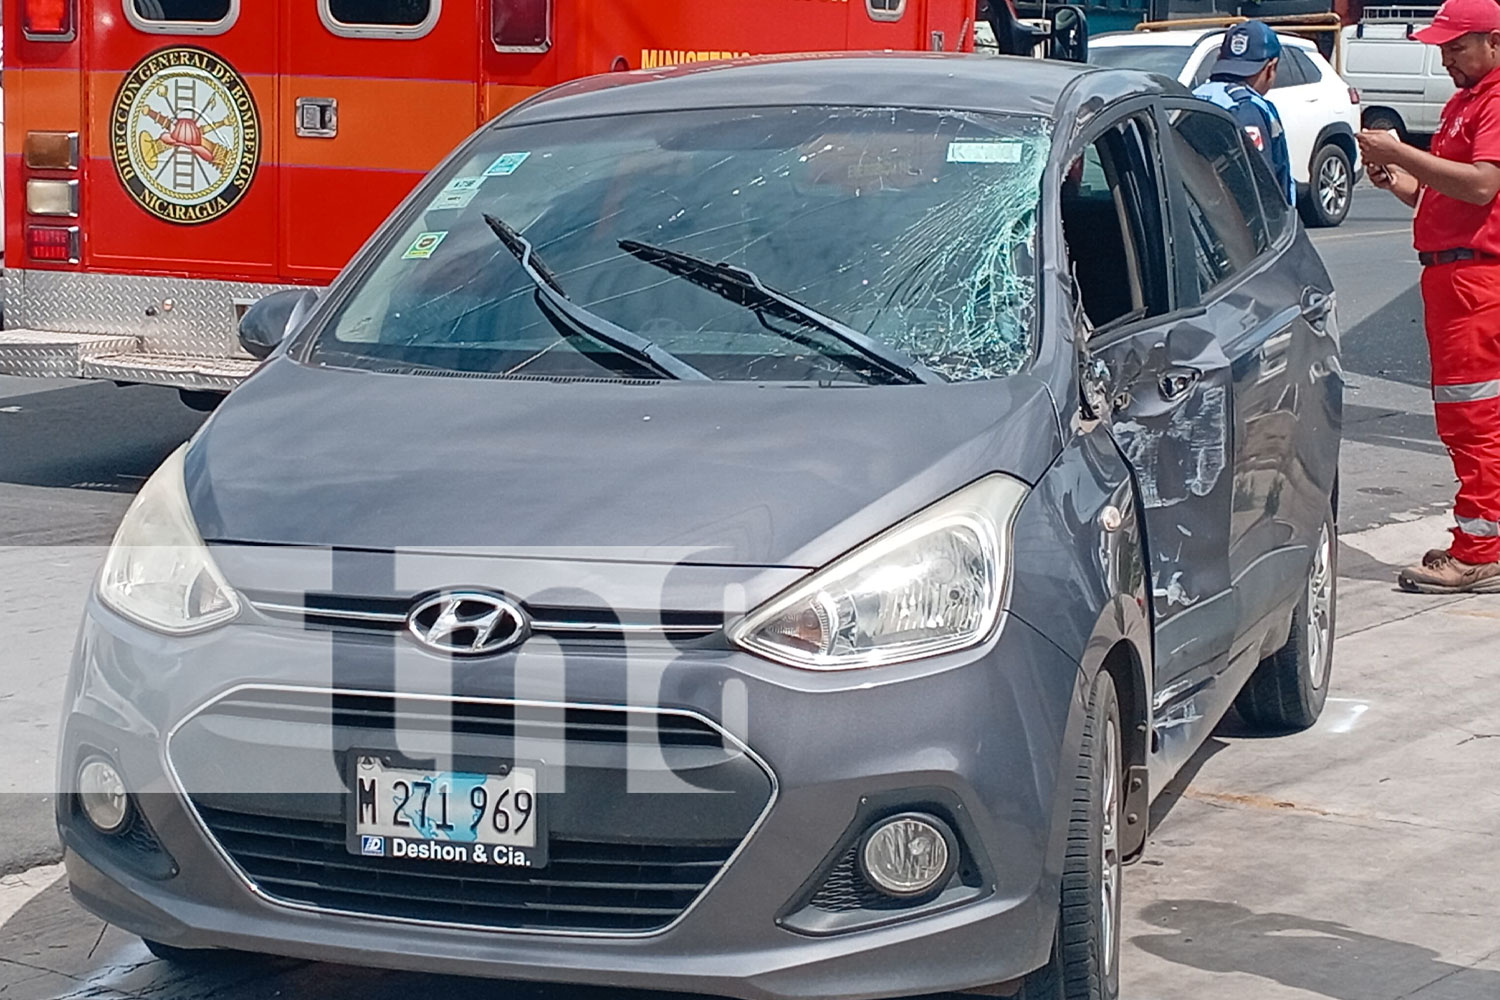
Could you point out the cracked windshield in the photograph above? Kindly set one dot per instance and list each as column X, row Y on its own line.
column 824, row 245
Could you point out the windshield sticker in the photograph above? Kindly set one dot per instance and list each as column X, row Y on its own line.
column 506, row 165
column 452, row 199
column 459, row 192
column 423, row 246
column 1005, row 151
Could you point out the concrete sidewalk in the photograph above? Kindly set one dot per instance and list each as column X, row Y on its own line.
column 1356, row 861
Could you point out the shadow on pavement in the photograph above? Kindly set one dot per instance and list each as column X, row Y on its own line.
column 1317, row 956
column 51, row 950
column 1164, row 803
column 96, row 436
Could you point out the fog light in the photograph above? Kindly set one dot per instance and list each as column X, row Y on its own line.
column 908, row 855
column 101, row 793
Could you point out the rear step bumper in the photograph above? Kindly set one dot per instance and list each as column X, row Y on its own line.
column 48, row 354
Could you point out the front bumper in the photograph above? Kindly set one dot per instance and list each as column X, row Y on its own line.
column 985, row 735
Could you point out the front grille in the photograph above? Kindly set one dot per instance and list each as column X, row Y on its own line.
column 256, row 766
column 846, row 889
column 339, row 612
column 385, row 713
column 586, row 886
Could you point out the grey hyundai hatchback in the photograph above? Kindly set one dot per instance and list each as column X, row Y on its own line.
column 763, row 530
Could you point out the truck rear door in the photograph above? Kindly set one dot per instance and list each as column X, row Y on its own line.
column 181, row 134
column 375, row 93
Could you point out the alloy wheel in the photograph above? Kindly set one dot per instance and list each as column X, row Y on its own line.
column 1333, row 187
column 1111, row 868
column 1320, row 596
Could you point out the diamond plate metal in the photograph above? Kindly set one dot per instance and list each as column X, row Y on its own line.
column 201, row 321
column 39, row 354
column 179, row 370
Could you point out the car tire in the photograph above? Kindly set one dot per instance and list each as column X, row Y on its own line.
column 1289, row 688
column 1330, row 188
column 1384, row 121
column 1085, row 963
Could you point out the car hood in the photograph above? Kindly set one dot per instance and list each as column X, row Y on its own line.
column 727, row 474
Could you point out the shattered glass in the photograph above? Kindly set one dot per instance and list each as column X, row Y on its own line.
column 916, row 229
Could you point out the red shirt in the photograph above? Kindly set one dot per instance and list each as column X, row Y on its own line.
column 1469, row 133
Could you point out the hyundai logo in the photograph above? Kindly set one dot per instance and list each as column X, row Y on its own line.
column 468, row 623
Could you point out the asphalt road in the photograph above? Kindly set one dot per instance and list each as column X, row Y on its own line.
column 71, row 455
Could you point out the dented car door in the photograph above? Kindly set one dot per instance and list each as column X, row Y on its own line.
column 1172, row 421
column 1172, row 411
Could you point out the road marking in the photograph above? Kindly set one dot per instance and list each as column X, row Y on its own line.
column 1361, row 236
column 18, row 890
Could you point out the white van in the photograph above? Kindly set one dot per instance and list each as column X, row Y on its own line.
column 1401, row 82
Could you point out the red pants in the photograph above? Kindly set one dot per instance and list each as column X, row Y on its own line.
column 1463, row 331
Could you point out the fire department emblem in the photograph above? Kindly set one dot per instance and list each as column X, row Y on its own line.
column 185, row 135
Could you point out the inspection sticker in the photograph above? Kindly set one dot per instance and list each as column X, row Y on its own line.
column 1003, row 151
column 453, row 199
column 506, row 165
column 422, row 247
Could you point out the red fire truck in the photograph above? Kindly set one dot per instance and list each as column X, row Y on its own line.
column 168, row 162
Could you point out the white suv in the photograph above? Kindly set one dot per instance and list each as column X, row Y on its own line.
column 1319, row 110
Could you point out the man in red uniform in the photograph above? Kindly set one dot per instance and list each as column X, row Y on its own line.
column 1457, row 231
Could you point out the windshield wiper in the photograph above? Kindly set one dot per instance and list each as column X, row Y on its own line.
column 743, row 287
column 572, row 319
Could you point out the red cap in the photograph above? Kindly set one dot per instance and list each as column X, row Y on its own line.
column 1459, row 17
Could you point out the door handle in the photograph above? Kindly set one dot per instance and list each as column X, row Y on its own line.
column 1316, row 306
column 1179, row 383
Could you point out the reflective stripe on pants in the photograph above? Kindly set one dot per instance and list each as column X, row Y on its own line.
column 1462, row 303
column 1472, row 392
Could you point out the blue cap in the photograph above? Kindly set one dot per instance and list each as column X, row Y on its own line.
column 1246, row 49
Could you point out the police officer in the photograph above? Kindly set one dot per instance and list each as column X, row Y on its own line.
column 1244, row 73
column 1457, row 236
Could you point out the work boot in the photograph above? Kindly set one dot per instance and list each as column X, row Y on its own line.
column 1441, row 573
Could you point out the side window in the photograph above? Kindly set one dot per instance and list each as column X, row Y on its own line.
column 886, row 10
column 398, row 14
column 158, row 14
column 1274, row 211
column 1309, row 69
column 1113, row 225
column 1223, row 195
column 1290, row 72
column 1205, row 66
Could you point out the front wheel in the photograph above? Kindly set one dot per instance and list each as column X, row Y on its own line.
column 1331, row 189
column 1289, row 688
column 1085, row 963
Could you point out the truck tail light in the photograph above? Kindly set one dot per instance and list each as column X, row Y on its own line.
column 54, row 244
column 522, row 25
column 1353, row 96
column 49, row 197
column 48, row 20
column 51, row 150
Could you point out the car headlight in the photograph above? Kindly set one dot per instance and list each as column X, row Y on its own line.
column 158, row 571
column 935, row 583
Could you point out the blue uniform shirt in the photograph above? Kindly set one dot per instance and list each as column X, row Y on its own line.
column 1261, row 123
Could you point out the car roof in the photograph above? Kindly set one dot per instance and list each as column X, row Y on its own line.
column 932, row 81
column 1186, row 37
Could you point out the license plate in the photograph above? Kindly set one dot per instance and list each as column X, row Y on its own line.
column 458, row 817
